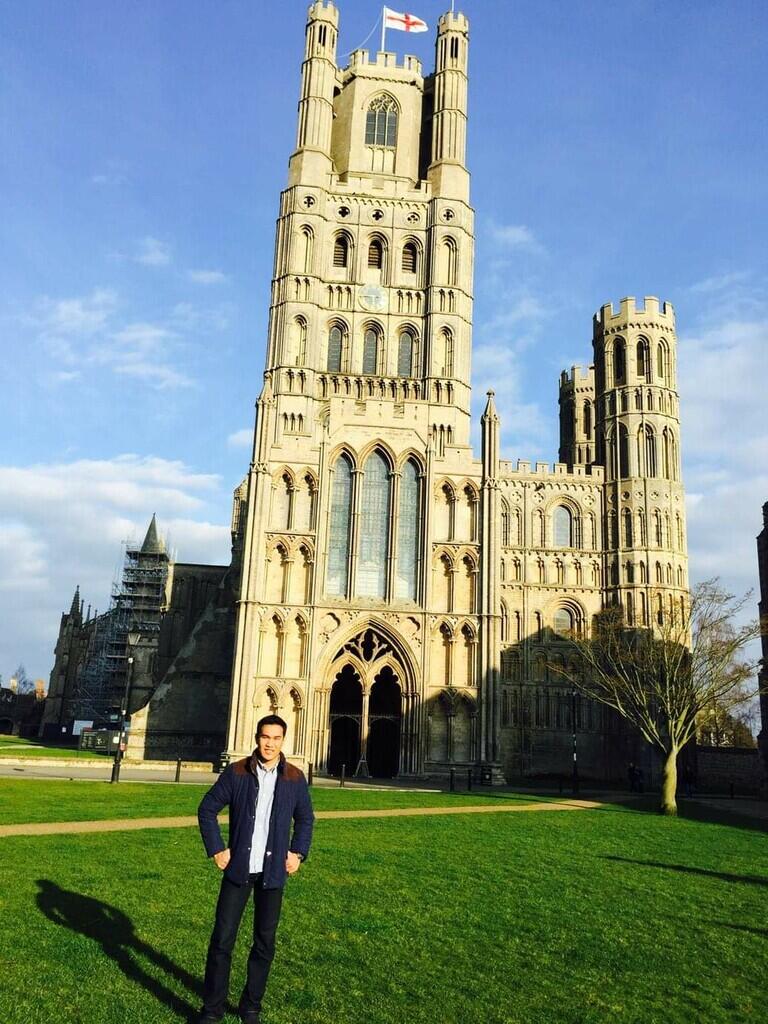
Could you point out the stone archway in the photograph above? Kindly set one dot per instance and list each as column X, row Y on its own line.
column 346, row 718
column 388, row 717
column 384, row 714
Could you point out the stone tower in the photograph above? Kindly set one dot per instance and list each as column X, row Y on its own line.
column 361, row 515
column 637, row 440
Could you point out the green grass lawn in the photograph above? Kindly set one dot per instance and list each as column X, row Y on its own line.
column 32, row 800
column 609, row 916
column 17, row 746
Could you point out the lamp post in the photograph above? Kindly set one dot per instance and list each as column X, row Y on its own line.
column 133, row 639
column 575, row 777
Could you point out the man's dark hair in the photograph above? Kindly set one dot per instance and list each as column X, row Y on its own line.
column 271, row 720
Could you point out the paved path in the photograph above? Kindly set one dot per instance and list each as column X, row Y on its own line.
column 45, row 828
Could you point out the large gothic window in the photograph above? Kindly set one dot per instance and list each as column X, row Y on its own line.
column 374, row 529
column 623, row 451
column 338, row 540
column 381, row 122
column 335, row 339
column 408, row 533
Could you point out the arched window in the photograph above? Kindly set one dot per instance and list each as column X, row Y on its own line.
column 373, row 552
column 623, row 451
column 444, row 367
column 562, row 522
column 300, row 341
column 650, row 451
column 626, row 516
column 405, row 354
column 381, row 122
column 338, row 539
column 619, row 361
column 662, row 361
column 409, row 522
column 370, row 351
column 410, row 258
column 448, row 261
column 306, row 245
column 643, row 360
column 281, row 504
column 375, row 254
column 504, row 526
column 335, row 341
column 341, row 251
column 588, row 418
column 504, row 623
column 563, row 622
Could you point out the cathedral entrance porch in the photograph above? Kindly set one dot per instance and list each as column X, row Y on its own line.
column 367, row 719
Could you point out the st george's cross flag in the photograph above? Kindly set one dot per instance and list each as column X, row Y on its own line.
column 404, row 22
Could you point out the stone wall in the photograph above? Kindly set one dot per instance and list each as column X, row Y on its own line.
column 719, row 767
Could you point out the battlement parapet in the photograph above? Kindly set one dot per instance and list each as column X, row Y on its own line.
column 594, row 473
column 324, row 10
column 361, row 61
column 578, row 376
column 629, row 310
column 453, row 21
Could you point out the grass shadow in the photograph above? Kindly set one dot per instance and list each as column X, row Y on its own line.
column 114, row 931
column 688, row 870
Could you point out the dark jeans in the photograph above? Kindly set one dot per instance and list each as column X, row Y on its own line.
column 229, row 911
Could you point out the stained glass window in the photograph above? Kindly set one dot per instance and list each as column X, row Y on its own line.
column 381, row 122
column 408, row 533
column 338, row 541
column 374, row 529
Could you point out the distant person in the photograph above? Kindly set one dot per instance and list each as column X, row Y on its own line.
column 265, row 795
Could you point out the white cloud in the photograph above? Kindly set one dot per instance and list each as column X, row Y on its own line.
column 207, row 276
column 241, row 438
column 721, row 370
column 152, row 252
column 63, row 524
column 81, row 316
column 515, row 236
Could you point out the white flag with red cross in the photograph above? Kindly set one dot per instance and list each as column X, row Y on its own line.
column 403, row 22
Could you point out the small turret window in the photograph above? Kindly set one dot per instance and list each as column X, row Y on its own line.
column 381, row 122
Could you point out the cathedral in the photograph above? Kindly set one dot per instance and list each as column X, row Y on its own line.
column 399, row 600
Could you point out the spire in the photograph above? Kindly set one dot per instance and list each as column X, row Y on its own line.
column 490, row 407
column 152, row 544
column 74, row 609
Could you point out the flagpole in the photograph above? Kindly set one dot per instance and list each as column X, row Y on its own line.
column 383, row 26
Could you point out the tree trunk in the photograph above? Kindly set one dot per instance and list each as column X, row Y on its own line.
column 669, row 783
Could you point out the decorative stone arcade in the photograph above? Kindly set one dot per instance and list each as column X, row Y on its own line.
column 366, row 714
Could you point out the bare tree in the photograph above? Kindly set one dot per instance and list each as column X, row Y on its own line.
column 23, row 683
column 661, row 679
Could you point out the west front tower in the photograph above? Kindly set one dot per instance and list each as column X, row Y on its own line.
column 359, row 609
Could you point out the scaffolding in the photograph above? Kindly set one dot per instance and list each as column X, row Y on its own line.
column 137, row 605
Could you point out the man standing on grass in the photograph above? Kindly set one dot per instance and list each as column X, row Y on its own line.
column 265, row 795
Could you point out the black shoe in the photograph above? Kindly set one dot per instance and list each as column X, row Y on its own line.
column 250, row 1016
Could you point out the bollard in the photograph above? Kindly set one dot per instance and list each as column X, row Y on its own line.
column 178, row 770
column 453, row 780
column 343, row 773
column 309, row 774
column 469, row 779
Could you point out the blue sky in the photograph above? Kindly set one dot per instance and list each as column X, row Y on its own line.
column 615, row 148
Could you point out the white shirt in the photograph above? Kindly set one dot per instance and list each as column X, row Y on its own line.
column 267, row 779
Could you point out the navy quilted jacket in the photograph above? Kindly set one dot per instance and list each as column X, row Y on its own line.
column 238, row 788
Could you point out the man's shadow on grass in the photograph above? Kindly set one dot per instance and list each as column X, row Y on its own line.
column 115, row 933
column 686, row 869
